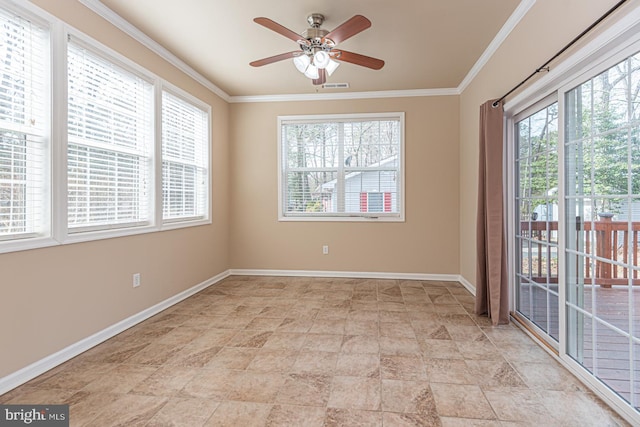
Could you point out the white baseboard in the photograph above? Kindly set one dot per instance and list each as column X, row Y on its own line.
column 347, row 274
column 467, row 284
column 30, row 372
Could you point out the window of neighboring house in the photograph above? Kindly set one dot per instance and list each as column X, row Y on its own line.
column 185, row 163
column 110, row 145
column 375, row 202
column 24, row 141
column 343, row 167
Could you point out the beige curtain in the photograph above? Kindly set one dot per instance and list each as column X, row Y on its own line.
column 492, row 292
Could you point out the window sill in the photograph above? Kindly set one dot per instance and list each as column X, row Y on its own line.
column 342, row 218
column 17, row 245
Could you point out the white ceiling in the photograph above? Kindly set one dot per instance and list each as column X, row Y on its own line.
column 426, row 44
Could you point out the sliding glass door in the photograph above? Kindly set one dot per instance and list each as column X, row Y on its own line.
column 576, row 225
column 602, row 216
column 536, row 233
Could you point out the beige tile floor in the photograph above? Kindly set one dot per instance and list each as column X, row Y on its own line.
column 273, row 351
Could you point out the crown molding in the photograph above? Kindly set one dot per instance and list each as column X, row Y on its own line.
column 99, row 8
column 497, row 41
column 345, row 95
column 125, row 26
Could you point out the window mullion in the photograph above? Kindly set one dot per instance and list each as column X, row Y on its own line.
column 341, row 170
column 158, row 159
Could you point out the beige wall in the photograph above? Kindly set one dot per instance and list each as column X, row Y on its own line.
column 54, row 297
column 426, row 243
column 547, row 27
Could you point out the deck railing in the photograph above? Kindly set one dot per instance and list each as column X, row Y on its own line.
column 612, row 248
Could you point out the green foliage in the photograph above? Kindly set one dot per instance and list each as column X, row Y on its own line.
column 602, row 151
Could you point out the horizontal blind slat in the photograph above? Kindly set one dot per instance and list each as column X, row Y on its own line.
column 110, row 125
column 24, row 58
column 184, row 153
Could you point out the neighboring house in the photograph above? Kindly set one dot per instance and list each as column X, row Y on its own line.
column 621, row 211
column 625, row 211
column 366, row 191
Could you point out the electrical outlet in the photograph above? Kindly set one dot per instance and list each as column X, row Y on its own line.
column 325, row 250
column 136, row 280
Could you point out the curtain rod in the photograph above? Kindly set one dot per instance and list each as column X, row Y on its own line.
column 544, row 67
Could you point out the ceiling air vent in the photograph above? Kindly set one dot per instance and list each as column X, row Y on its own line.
column 335, row 86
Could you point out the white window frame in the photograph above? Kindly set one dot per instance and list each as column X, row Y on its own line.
column 56, row 231
column 346, row 216
column 43, row 238
column 184, row 221
column 133, row 69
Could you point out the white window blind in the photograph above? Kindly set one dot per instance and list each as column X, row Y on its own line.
column 24, row 74
column 110, row 145
column 184, row 159
column 341, row 167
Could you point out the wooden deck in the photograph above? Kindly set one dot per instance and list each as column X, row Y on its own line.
column 605, row 351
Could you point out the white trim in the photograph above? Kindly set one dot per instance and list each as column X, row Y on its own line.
column 497, row 41
column 16, row 245
column 27, row 373
column 345, row 95
column 467, row 284
column 347, row 274
column 125, row 26
column 59, row 131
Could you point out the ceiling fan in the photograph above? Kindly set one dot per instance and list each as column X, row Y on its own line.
column 318, row 53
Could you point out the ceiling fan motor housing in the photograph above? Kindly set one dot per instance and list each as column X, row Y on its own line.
column 315, row 20
column 315, row 35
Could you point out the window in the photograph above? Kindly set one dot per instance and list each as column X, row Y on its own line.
column 185, row 142
column 345, row 167
column 23, row 128
column 133, row 151
column 110, row 145
column 375, row 202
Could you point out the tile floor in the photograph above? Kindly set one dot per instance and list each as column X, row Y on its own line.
column 274, row 351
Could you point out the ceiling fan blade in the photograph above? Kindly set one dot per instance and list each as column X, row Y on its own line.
column 358, row 59
column 274, row 26
column 272, row 59
column 322, row 77
column 349, row 29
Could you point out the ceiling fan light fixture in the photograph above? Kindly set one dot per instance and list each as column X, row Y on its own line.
column 321, row 59
column 302, row 62
column 332, row 66
column 315, row 59
column 312, row 72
